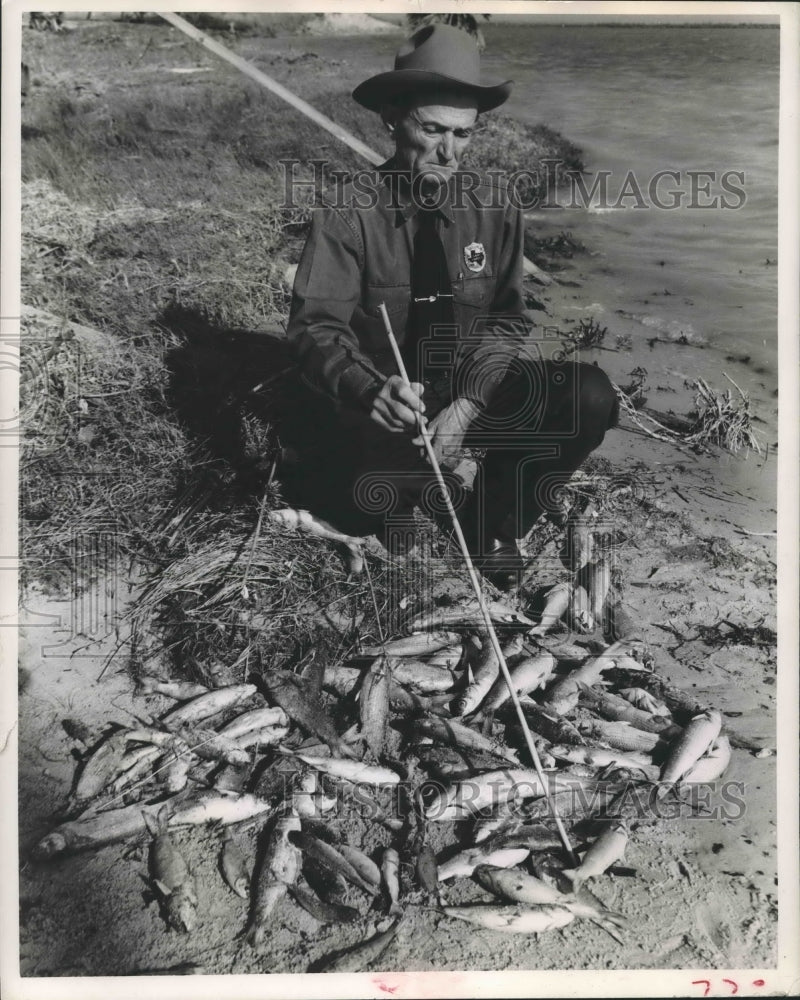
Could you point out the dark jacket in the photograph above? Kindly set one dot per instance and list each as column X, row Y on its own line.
column 358, row 254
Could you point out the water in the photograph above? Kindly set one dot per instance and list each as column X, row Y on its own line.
column 650, row 98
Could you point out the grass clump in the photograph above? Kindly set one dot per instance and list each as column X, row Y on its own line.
column 721, row 419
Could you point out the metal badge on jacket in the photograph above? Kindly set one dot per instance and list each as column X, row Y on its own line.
column 475, row 256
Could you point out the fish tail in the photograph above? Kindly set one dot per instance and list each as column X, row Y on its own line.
column 254, row 935
column 574, row 876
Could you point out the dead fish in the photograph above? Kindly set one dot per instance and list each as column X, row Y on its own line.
column 332, row 859
column 620, row 735
column 171, row 875
column 463, row 737
column 304, row 796
column 416, row 644
column 528, row 675
column 464, row 863
column 604, row 852
column 516, row 886
column 390, row 870
column 563, row 650
column 711, row 766
column 519, row 887
column 407, row 702
column 306, row 523
column 374, row 705
column 210, row 745
column 449, row 657
column 206, row 705
column 179, row 690
column 305, row 707
column 255, row 719
column 99, row 770
column 364, row 865
column 175, row 775
column 487, row 667
column 491, row 826
column 581, row 618
column 464, row 798
column 325, row 913
column 513, row 919
column 93, row 831
column 349, row 770
column 279, row 869
column 557, row 601
column 234, row 867
column 219, row 807
column 644, row 701
column 534, row 836
column 598, row 583
column 580, row 538
column 427, row 870
column 620, row 710
column 364, row 954
column 266, row 736
column 451, row 764
column 689, row 747
column 563, row 696
column 549, row 725
column 617, row 623
column 601, row 757
column 136, row 764
column 422, row 677
column 469, row 613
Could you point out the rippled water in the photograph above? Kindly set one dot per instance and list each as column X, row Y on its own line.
column 650, row 98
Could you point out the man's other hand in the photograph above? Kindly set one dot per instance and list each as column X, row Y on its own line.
column 396, row 405
column 447, row 430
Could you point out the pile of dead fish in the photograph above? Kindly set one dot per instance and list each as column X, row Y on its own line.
column 427, row 718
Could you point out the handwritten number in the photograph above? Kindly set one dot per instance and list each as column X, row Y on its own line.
column 696, row 982
column 735, row 986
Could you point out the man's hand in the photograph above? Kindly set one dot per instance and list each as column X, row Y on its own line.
column 395, row 407
column 447, row 429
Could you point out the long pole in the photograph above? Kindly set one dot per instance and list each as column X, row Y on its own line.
column 473, row 576
column 303, row 106
column 267, row 81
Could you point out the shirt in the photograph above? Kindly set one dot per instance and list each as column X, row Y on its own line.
column 358, row 255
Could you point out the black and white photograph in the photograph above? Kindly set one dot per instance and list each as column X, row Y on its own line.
column 400, row 512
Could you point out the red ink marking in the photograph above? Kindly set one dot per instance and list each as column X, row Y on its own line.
column 696, row 982
column 758, row 982
column 735, row 986
column 387, row 989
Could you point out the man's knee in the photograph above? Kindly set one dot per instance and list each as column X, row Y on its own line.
column 598, row 402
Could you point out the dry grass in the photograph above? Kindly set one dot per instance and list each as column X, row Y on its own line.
column 722, row 419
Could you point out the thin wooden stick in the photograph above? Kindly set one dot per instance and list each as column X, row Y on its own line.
column 473, row 576
column 267, row 81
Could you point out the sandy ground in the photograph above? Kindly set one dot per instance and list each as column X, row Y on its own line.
column 704, row 894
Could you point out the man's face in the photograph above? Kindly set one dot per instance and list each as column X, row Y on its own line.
column 430, row 139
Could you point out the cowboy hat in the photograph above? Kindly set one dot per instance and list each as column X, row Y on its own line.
column 435, row 57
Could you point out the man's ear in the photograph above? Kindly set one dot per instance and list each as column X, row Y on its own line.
column 389, row 117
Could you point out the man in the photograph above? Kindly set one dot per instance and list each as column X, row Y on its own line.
column 446, row 259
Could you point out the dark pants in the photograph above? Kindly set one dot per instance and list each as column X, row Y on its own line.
column 544, row 419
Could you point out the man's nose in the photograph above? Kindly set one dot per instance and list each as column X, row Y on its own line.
column 447, row 146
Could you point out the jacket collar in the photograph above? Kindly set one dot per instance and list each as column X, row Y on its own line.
column 398, row 183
